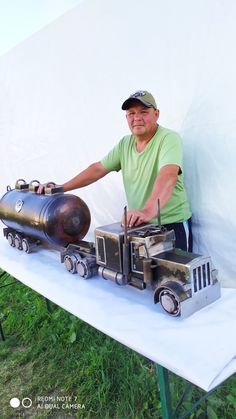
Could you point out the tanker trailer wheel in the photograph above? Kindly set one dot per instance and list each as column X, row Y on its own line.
column 18, row 242
column 25, row 245
column 70, row 262
column 11, row 239
column 29, row 244
column 170, row 301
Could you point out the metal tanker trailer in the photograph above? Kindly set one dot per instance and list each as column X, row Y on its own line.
column 55, row 218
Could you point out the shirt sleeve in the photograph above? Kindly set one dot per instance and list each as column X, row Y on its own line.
column 171, row 151
column 112, row 161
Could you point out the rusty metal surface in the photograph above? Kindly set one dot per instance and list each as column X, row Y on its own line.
column 59, row 219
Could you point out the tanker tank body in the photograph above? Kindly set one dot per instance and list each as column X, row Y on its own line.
column 54, row 218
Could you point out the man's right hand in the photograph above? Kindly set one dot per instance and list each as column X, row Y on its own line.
column 42, row 186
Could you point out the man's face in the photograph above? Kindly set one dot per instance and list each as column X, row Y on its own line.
column 142, row 120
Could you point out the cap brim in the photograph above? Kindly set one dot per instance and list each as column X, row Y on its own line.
column 131, row 101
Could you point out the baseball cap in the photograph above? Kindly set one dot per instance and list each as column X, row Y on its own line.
column 142, row 96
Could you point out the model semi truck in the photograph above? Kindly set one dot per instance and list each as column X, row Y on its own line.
column 144, row 257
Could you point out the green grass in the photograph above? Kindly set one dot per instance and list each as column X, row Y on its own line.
column 55, row 356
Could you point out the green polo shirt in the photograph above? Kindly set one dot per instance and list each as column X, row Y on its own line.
column 139, row 171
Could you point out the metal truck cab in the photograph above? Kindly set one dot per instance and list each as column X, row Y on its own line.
column 145, row 241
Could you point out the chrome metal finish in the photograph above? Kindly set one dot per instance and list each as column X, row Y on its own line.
column 58, row 219
column 11, row 239
column 25, row 245
column 182, row 282
column 28, row 245
column 170, row 302
column 70, row 262
column 18, row 242
column 109, row 274
column 86, row 267
column 19, row 205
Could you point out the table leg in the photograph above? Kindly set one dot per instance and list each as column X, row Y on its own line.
column 165, row 394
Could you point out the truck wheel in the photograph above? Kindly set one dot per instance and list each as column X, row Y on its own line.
column 70, row 262
column 170, row 302
column 87, row 267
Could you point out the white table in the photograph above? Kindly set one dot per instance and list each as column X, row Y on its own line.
column 201, row 348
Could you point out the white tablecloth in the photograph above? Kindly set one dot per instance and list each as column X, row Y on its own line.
column 201, row 348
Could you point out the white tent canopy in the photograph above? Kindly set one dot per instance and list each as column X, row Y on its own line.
column 61, row 93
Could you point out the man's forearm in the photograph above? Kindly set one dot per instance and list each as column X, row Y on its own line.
column 90, row 175
column 162, row 190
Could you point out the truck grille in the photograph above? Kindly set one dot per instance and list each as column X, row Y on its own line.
column 202, row 277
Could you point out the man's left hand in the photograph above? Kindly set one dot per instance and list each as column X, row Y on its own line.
column 136, row 217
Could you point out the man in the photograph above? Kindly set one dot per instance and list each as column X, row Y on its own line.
column 151, row 163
